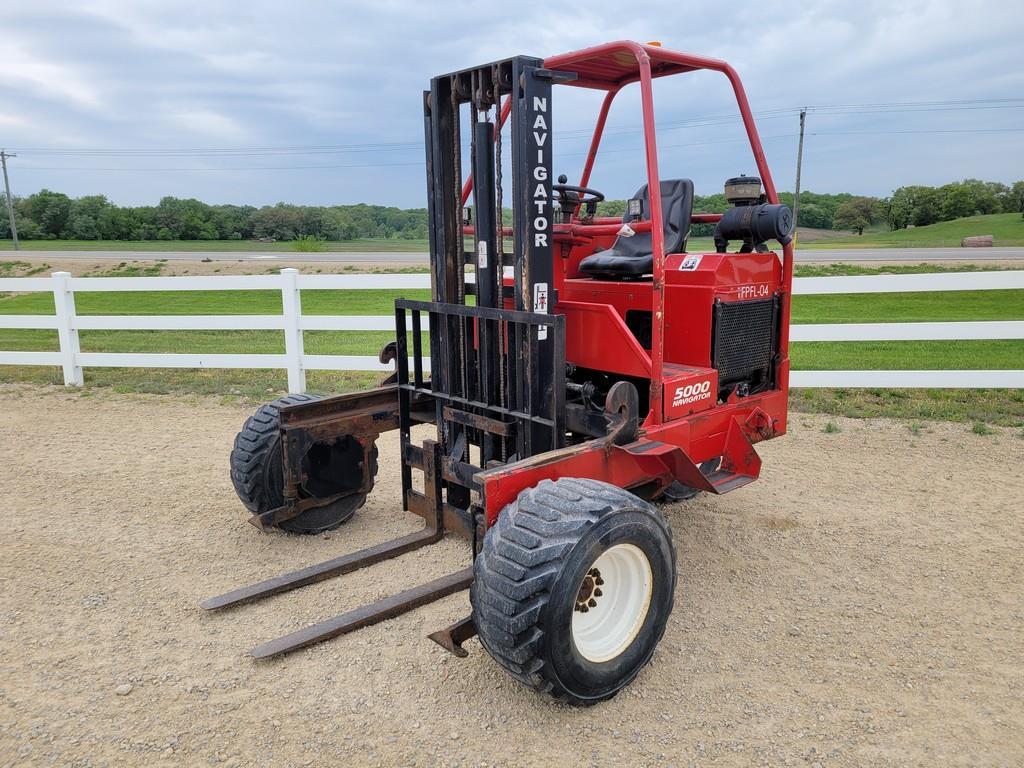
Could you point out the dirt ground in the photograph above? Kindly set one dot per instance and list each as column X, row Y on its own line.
column 861, row 604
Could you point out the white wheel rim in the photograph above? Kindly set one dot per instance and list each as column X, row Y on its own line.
column 612, row 603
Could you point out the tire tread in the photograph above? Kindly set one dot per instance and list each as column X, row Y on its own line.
column 252, row 449
column 522, row 556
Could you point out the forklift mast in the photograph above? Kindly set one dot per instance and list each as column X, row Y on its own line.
column 498, row 365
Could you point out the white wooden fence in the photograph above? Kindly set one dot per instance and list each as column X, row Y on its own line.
column 293, row 323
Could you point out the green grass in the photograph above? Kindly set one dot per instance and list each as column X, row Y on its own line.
column 989, row 406
column 21, row 268
column 309, row 244
column 212, row 342
column 840, row 308
column 845, row 308
column 983, row 406
column 367, row 244
column 846, row 270
column 909, row 307
column 352, row 302
column 135, row 269
column 251, row 385
column 1004, row 407
column 807, row 356
column 1006, row 228
column 990, row 354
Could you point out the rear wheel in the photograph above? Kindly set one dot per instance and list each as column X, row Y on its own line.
column 328, row 469
column 573, row 588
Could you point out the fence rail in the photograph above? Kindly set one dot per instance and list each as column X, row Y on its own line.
column 292, row 322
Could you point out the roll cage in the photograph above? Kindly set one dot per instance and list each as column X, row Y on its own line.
column 611, row 67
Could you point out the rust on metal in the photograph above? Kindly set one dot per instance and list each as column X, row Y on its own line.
column 432, row 510
column 479, row 421
column 451, row 638
column 272, row 517
column 326, row 570
column 388, row 353
column 380, row 404
column 365, row 615
column 431, row 506
column 362, row 416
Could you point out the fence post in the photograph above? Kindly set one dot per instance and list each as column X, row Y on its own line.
column 67, row 328
column 293, row 348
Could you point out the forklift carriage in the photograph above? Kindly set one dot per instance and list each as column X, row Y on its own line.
column 599, row 367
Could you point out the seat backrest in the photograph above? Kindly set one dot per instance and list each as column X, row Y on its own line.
column 676, row 209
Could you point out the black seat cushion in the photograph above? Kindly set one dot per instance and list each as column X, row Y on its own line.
column 632, row 257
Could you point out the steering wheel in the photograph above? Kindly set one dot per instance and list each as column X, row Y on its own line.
column 572, row 197
column 585, row 194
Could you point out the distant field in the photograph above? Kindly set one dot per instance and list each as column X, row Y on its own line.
column 1006, row 228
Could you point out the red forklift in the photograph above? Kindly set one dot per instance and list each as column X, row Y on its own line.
column 577, row 376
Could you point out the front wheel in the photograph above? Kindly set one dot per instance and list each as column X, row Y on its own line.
column 573, row 588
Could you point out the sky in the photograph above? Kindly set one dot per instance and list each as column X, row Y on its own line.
column 320, row 103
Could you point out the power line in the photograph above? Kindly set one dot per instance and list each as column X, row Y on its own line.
column 822, row 110
column 419, row 163
column 614, row 130
column 383, row 165
column 220, row 170
column 946, row 102
column 923, row 130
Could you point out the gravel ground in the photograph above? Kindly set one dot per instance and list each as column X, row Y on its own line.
column 861, row 604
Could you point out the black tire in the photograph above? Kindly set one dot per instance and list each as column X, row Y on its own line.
column 259, row 481
column 530, row 575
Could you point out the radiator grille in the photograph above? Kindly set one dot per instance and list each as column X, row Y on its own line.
column 744, row 340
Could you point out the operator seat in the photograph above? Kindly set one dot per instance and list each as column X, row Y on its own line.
column 632, row 257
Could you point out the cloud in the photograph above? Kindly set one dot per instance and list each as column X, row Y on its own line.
column 25, row 70
column 206, row 123
column 15, row 121
column 143, row 74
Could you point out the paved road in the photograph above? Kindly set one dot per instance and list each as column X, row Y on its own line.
column 804, row 254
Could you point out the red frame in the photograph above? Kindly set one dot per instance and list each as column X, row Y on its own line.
column 669, row 447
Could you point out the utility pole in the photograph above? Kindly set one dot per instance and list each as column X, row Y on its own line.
column 10, row 203
column 799, row 163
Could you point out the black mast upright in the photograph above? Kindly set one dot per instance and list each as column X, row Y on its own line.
column 533, row 220
column 497, row 375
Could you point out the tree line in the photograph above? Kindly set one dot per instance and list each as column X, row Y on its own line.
column 53, row 215
column 49, row 215
column 914, row 205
